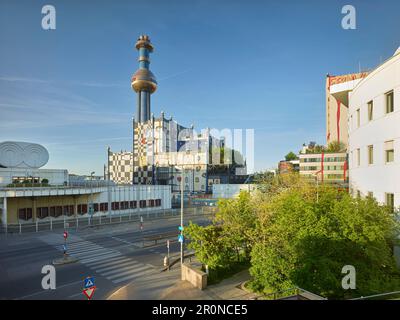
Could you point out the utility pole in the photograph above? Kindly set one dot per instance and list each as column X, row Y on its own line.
column 182, row 217
column 91, row 209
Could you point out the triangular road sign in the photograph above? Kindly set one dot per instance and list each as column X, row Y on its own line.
column 88, row 292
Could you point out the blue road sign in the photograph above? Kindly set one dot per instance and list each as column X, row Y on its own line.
column 64, row 247
column 180, row 228
column 89, row 282
column 180, row 238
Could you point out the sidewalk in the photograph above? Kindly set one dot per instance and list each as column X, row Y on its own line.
column 228, row 289
column 147, row 288
column 168, row 286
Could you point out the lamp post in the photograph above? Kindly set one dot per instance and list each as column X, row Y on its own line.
column 316, row 177
column 182, row 217
column 91, row 209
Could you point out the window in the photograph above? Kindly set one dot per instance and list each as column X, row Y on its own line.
column 370, row 194
column 389, row 102
column 370, row 154
column 370, row 110
column 25, row 214
column 58, row 211
column 358, row 157
column 68, row 210
column 42, row 212
column 390, row 200
column 142, row 203
column 132, row 204
column 358, row 118
column 389, row 151
column 104, row 206
column 82, row 208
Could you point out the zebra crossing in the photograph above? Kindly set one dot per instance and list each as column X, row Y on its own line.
column 107, row 262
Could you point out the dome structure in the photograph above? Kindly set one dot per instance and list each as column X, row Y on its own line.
column 14, row 154
column 144, row 80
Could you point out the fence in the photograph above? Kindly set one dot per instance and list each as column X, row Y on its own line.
column 86, row 222
column 294, row 293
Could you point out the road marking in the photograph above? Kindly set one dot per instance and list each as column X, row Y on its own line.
column 126, row 270
column 129, row 272
column 111, row 255
column 93, row 253
column 86, row 248
column 116, row 260
column 46, row 291
column 117, row 266
column 122, row 240
column 132, row 276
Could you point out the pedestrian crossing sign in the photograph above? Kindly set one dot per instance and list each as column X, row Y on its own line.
column 180, row 238
column 89, row 282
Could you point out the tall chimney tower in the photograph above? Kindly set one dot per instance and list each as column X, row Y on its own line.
column 143, row 81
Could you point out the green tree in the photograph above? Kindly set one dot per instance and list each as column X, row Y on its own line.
column 210, row 247
column 336, row 146
column 291, row 156
column 306, row 243
column 237, row 219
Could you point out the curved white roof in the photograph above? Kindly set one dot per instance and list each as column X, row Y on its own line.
column 14, row 154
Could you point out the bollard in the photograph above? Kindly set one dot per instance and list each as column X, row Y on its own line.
column 120, row 218
column 100, row 219
column 20, row 229
column 37, row 227
column 51, row 224
column 77, row 223
column 130, row 216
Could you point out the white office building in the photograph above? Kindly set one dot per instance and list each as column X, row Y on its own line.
column 374, row 134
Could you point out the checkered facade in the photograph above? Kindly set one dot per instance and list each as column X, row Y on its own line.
column 120, row 167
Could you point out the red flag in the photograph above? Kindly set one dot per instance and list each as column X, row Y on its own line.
column 338, row 120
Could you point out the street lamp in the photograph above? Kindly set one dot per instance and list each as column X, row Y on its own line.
column 181, row 227
column 316, row 177
column 91, row 209
column 182, row 217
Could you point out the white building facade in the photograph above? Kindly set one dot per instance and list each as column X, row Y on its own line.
column 374, row 134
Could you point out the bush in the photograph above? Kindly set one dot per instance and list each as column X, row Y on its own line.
column 306, row 243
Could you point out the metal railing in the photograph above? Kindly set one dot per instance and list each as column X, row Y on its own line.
column 381, row 295
column 100, row 220
column 291, row 293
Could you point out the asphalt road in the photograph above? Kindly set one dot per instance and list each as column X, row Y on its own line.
column 114, row 255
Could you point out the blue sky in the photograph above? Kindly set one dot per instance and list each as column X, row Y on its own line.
column 219, row 64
